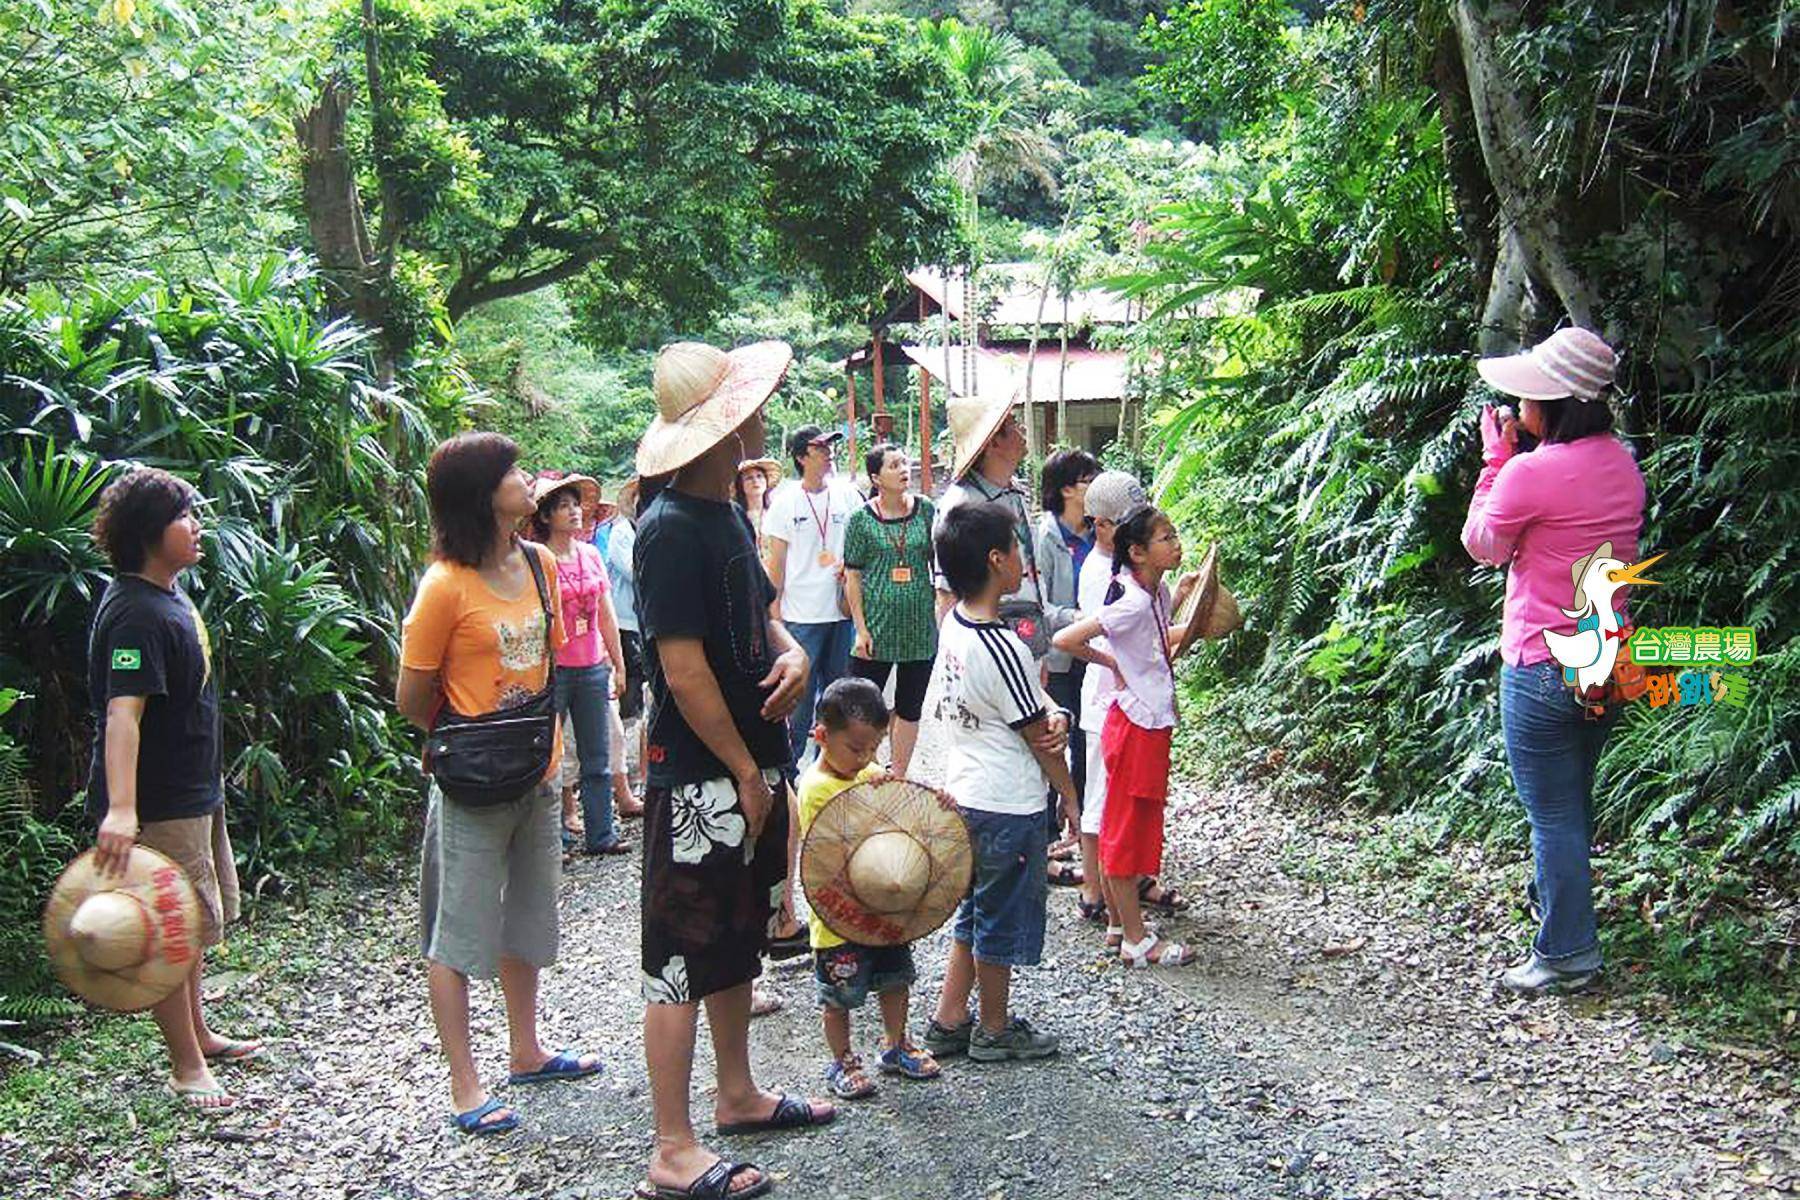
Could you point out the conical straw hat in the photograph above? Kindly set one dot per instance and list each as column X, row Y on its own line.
column 702, row 395
column 973, row 422
column 625, row 498
column 1210, row 610
column 885, row 864
column 123, row 941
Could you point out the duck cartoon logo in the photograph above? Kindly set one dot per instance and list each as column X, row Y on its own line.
column 1587, row 655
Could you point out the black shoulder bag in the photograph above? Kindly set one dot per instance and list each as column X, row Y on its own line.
column 498, row 757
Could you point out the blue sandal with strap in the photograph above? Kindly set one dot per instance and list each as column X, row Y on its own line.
column 473, row 1121
column 564, row 1064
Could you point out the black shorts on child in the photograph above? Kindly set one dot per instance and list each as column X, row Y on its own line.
column 846, row 974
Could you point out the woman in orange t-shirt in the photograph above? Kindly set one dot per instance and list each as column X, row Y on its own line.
column 479, row 638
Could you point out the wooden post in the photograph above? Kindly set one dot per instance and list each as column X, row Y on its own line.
column 880, row 404
column 850, row 379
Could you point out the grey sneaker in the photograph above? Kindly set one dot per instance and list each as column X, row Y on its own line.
column 1017, row 1041
column 946, row 1042
column 1535, row 977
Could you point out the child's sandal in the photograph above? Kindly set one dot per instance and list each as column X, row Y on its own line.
column 1115, row 936
column 1145, row 953
column 908, row 1060
column 847, row 1079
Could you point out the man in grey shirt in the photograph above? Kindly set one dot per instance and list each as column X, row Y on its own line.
column 990, row 445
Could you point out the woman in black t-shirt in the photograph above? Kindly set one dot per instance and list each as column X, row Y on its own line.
column 155, row 777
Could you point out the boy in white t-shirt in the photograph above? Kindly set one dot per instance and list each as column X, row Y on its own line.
column 1005, row 747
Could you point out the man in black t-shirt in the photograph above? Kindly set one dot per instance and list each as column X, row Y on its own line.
column 155, row 777
column 724, row 676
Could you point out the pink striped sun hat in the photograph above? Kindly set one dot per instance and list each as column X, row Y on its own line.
column 1570, row 362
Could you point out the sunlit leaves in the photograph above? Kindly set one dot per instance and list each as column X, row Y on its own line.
column 136, row 130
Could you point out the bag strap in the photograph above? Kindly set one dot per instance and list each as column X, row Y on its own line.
column 1029, row 549
column 1037, row 583
column 529, row 549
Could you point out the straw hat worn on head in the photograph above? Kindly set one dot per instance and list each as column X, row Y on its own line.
column 884, row 864
column 702, row 395
column 625, row 497
column 771, row 470
column 594, row 509
column 1113, row 494
column 126, row 941
column 1210, row 610
column 1570, row 362
column 973, row 423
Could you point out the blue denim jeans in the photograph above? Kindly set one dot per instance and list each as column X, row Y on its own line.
column 583, row 693
column 1553, row 749
column 828, row 644
column 1002, row 918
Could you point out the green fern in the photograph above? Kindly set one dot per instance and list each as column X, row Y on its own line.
column 35, row 1009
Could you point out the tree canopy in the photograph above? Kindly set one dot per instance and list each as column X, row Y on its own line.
column 138, row 133
column 646, row 154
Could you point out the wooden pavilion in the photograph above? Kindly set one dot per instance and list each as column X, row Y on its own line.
column 1077, row 397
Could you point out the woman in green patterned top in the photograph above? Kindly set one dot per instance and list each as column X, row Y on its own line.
column 887, row 579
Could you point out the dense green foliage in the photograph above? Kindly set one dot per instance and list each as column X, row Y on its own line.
column 574, row 408
column 648, row 154
column 137, row 133
column 1327, row 437
column 1096, row 45
column 313, row 541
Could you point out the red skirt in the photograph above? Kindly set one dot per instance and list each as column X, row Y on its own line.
column 1137, row 787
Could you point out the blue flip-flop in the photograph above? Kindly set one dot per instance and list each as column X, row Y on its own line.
column 471, row 1122
column 564, row 1064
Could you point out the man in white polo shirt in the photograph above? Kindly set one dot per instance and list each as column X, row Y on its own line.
column 805, row 526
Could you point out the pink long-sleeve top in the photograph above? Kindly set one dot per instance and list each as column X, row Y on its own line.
column 1538, row 513
column 583, row 583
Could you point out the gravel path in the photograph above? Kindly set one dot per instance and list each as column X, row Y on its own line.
column 1328, row 1044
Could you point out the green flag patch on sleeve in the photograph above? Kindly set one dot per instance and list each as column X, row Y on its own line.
column 124, row 659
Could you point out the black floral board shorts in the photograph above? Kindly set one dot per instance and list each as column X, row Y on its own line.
column 710, row 895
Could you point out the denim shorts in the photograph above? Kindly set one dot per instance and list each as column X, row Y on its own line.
column 1002, row 920
column 846, row 974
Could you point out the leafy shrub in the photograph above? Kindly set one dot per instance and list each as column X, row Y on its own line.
column 314, row 536
column 1325, row 436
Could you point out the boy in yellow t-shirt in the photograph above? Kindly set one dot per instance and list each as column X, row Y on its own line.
column 851, row 720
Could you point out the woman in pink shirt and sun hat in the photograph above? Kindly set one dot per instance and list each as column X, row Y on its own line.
column 1537, row 514
column 589, row 673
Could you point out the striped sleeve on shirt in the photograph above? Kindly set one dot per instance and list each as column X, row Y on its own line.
column 1017, row 699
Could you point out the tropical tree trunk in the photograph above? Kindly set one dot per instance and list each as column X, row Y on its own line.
column 360, row 267
column 970, row 319
column 1469, row 187
column 334, row 209
column 1062, row 370
column 1531, row 241
column 1033, row 442
column 944, row 311
column 1132, row 376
